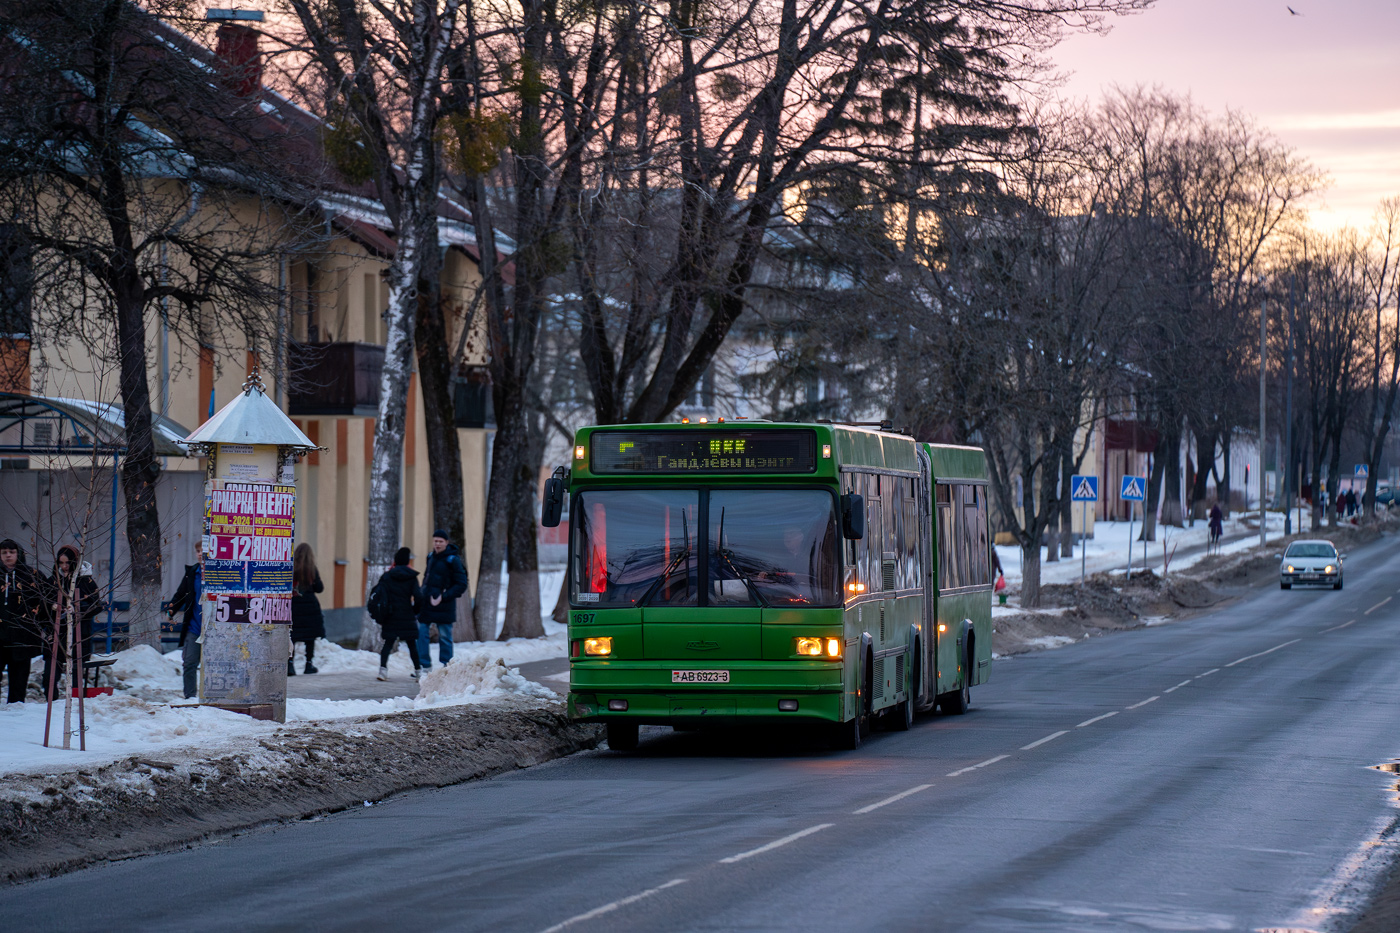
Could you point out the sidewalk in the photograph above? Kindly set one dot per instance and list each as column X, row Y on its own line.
column 1107, row 551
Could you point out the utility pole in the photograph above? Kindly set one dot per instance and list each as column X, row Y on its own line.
column 1287, row 461
column 1263, row 359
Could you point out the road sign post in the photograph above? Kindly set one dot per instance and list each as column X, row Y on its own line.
column 1083, row 489
column 1134, row 489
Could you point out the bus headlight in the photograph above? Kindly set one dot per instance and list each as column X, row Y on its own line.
column 600, row 646
column 809, row 647
column 833, row 647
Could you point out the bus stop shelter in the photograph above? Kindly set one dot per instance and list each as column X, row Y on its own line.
column 92, row 434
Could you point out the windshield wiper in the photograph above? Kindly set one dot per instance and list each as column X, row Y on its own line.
column 669, row 569
column 728, row 557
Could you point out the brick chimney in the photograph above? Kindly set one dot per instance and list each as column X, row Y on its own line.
column 238, row 48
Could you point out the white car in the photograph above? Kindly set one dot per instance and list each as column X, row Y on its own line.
column 1311, row 562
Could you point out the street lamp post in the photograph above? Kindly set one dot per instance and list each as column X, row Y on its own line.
column 1263, row 359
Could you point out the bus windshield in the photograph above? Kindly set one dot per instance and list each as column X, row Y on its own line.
column 762, row 547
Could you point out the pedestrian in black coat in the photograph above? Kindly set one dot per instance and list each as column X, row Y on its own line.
column 400, row 617
column 307, row 622
column 88, row 604
column 444, row 582
column 21, row 611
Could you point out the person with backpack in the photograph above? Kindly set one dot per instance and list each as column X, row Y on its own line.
column 444, row 582
column 394, row 604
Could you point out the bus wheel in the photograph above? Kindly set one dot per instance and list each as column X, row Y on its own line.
column 622, row 736
column 902, row 716
column 847, row 735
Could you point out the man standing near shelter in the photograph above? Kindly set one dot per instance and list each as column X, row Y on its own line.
column 444, row 581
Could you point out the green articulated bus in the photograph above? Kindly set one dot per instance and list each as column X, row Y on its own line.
column 757, row 572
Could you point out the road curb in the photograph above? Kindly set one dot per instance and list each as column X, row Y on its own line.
column 55, row 823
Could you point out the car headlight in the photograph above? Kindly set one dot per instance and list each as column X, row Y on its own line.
column 1289, row 568
column 1329, row 569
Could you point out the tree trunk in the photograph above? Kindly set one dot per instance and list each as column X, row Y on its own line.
column 439, row 416
column 1171, row 478
column 493, row 534
column 1205, row 460
column 1066, row 507
column 140, row 469
column 1222, row 489
column 522, row 555
column 1030, row 574
column 561, row 605
column 1154, row 495
column 386, row 465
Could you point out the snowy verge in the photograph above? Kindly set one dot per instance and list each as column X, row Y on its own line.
column 60, row 820
column 147, row 715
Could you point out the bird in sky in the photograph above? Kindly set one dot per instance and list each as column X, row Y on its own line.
column 1293, row 11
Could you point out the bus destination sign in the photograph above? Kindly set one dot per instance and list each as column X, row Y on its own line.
column 704, row 451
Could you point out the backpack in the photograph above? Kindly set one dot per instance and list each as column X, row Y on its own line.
column 378, row 604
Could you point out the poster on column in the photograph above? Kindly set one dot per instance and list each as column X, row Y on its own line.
column 248, row 550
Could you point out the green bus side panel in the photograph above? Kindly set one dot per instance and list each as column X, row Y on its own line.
column 952, row 611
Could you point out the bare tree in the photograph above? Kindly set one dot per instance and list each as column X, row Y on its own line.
column 1382, row 279
column 381, row 70
column 140, row 190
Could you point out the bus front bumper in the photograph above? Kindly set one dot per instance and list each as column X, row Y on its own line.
column 643, row 693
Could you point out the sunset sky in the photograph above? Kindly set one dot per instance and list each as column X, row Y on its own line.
column 1327, row 82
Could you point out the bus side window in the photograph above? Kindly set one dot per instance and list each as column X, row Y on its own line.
column 947, row 564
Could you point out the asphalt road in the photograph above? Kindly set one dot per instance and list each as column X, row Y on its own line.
column 1211, row 774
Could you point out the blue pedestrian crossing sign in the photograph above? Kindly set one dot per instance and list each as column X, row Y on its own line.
column 1362, row 471
column 1134, row 489
column 1084, row 489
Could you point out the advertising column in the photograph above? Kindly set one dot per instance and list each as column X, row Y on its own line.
column 250, row 518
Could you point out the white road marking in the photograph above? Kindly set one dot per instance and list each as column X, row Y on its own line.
column 889, row 800
column 1335, row 627
column 1090, row 722
column 775, row 844
column 989, row 761
column 1143, row 703
column 1378, row 605
column 1048, row 738
column 609, row 908
column 1250, row 657
column 1177, row 687
column 1213, row 670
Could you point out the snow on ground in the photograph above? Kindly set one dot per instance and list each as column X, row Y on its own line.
column 1108, row 548
column 140, row 720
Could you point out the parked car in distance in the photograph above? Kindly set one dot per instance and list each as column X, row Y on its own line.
column 1311, row 562
column 1385, row 497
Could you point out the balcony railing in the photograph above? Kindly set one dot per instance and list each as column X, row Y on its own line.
column 336, row 379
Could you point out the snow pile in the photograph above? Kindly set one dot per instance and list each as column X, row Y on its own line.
column 479, row 676
column 146, row 673
column 477, row 679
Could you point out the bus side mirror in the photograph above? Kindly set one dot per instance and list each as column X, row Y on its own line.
column 552, row 509
column 853, row 516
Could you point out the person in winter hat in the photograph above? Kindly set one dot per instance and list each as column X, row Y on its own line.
column 444, row 582
column 398, row 620
column 88, row 604
column 21, row 609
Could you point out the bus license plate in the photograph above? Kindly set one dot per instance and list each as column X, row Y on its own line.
column 699, row 677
